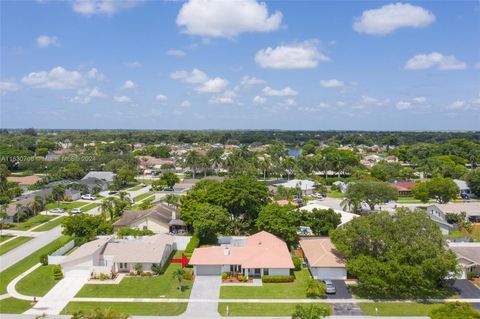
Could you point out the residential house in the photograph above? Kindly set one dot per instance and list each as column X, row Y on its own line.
column 462, row 187
column 472, row 210
column 256, row 255
column 403, row 188
column 323, row 260
column 468, row 257
column 344, row 216
column 159, row 219
column 24, row 181
column 306, row 186
column 108, row 254
column 98, row 179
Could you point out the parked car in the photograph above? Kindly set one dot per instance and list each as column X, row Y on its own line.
column 168, row 189
column 330, row 287
column 112, row 192
column 57, row 210
column 464, row 196
column 317, row 195
column 89, row 197
column 75, row 211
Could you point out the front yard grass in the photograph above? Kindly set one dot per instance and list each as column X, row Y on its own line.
column 32, row 222
column 5, row 237
column 129, row 308
column 38, row 282
column 135, row 188
column 334, row 194
column 142, row 196
column 398, row 308
column 291, row 290
column 65, row 205
column 50, row 225
column 258, row 309
column 162, row 286
column 12, row 244
column 28, row 262
column 13, row 306
column 89, row 206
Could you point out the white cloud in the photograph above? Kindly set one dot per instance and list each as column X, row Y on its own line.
column 129, row 84
column 247, row 82
column 289, row 102
column 45, row 41
column 134, row 64
column 434, row 60
column 287, row 91
column 214, row 18
column 302, row 55
column 161, row 98
column 226, row 97
column 57, row 78
column 108, row 7
column 259, row 100
column 122, row 99
column 331, row 84
column 214, row 85
column 194, row 77
column 366, row 101
column 323, row 105
column 8, row 86
column 419, row 99
column 404, row 105
column 456, row 105
column 85, row 96
column 391, row 17
column 94, row 74
column 340, row 103
column 186, row 103
column 178, row 53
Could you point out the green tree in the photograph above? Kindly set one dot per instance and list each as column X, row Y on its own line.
column 311, row 311
column 209, row 221
column 322, row 221
column 371, row 192
column 170, row 179
column 421, row 192
column 72, row 171
column 455, row 310
column 58, row 193
column 84, row 227
column 315, row 289
column 282, row 221
column 178, row 275
column 379, row 252
column 172, row 200
column 125, row 175
column 38, row 204
column 386, row 171
column 443, row 189
column 193, row 162
column 473, row 181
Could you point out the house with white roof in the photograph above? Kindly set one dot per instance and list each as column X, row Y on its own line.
column 306, row 186
column 344, row 216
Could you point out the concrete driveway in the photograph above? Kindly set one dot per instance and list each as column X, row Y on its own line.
column 204, row 288
column 466, row 289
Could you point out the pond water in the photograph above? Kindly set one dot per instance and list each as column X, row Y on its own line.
column 294, row 151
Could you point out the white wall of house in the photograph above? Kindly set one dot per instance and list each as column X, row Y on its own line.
column 328, row 273
column 444, row 229
column 153, row 225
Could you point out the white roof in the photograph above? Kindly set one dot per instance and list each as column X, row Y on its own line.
column 345, row 216
column 462, row 185
column 107, row 176
column 302, row 183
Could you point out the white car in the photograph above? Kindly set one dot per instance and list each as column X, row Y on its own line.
column 75, row 211
column 89, row 197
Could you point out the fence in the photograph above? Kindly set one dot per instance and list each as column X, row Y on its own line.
column 58, row 255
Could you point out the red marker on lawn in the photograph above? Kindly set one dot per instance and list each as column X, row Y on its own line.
column 183, row 261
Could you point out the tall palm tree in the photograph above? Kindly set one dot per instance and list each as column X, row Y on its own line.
column 58, row 193
column 192, row 160
column 108, row 205
column 38, row 204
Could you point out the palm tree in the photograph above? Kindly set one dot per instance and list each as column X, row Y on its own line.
column 172, row 200
column 288, row 165
column 58, row 193
column 108, row 206
column 38, row 204
column 192, row 160
column 3, row 215
column 264, row 165
column 178, row 275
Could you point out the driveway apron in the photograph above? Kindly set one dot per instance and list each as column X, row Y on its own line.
column 204, row 288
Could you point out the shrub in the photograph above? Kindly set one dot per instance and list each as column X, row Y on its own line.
column 146, row 274
column 192, row 244
column 315, row 289
column 244, row 278
column 132, row 273
column 44, row 259
column 225, row 275
column 57, row 272
column 157, row 269
column 138, row 268
column 125, row 231
column 297, row 262
column 311, row 311
column 188, row 275
column 277, row 279
column 455, row 310
column 470, row 275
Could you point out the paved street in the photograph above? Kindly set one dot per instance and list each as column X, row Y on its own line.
column 17, row 254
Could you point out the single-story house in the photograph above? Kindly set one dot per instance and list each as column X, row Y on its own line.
column 472, row 210
column 24, row 181
column 256, row 255
column 323, row 260
column 159, row 219
column 106, row 176
column 344, row 216
column 403, row 188
column 108, row 254
column 462, row 187
column 468, row 257
column 16, row 207
column 306, row 186
column 445, row 227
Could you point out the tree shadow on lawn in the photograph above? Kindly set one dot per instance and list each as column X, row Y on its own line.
column 363, row 292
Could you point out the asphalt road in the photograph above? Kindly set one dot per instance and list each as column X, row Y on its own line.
column 17, row 254
column 466, row 289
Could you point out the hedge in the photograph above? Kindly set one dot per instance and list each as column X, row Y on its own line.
column 277, row 279
column 192, row 244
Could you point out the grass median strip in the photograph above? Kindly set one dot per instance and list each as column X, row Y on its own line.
column 86, row 208
column 38, row 282
column 50, row 225
column 142, row 196
column 130, row 308
column 291, row 290
column 5, row 237
column 398, row 308
column 28, row 262
column 32, row 222
column 14, row 306
column 258, row 309
column 12, row 244
column 66, row 205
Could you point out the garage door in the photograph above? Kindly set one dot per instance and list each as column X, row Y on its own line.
column 208, row 270
column 329, row 273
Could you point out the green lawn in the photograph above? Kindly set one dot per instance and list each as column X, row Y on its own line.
column 335, row 194
column 12, row 244
column 291, row 290
column 13, row 306
column 50, row 225
column 5, row 237
column 32, row 222
column 398, row 308
column 38, row 282
column 258, row 309
column 145, row 181
column 130, row 308
column 146, row 287
column 89, row 206
column 28, row 262
column 66, row 205
column 135, row 188
column 142, row 196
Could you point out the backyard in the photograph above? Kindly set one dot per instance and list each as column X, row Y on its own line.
column 130, row 308
column 291, row 290
column 258, row 309
column 12, row 244
column 162, row 286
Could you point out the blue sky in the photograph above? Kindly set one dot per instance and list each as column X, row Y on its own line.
column 243, row 64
